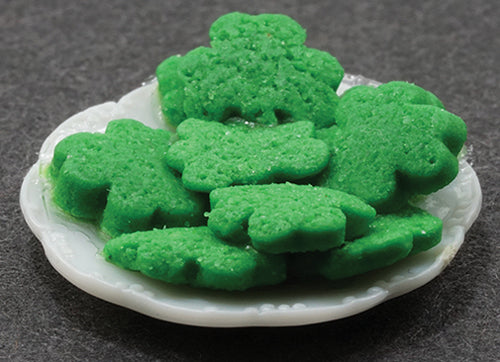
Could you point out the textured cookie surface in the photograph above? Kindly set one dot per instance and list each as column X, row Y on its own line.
column 120, row 179
column 194, row 256
column 390, row 239
column 288, row 218
column 212, row 155
column 257, row 68
column 391, row 143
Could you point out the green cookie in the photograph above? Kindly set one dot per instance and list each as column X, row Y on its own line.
column 211, row 155
column 121, row 180
column 257, row 68
column 286, row 217
column 194, row 256
column 390, row 143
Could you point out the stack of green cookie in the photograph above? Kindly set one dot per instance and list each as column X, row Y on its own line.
column 269, row 173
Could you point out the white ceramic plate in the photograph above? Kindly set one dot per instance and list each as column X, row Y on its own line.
column 73, row 247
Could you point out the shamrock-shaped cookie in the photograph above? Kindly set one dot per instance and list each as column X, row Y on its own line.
column 280, row 218
column 194, row 256
column 390, row 239
column 121, row 180
column 212, row 155
column 391, row 143
column 257, row 68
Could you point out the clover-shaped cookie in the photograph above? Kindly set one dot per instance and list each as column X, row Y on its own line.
column 212, row 155
column 280, row 218
column 390, row 239
column 391, row 143
column 257, row 68
column 194, row 256
column 121, row 180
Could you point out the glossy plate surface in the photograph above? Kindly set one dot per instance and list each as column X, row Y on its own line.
column 73, row 247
